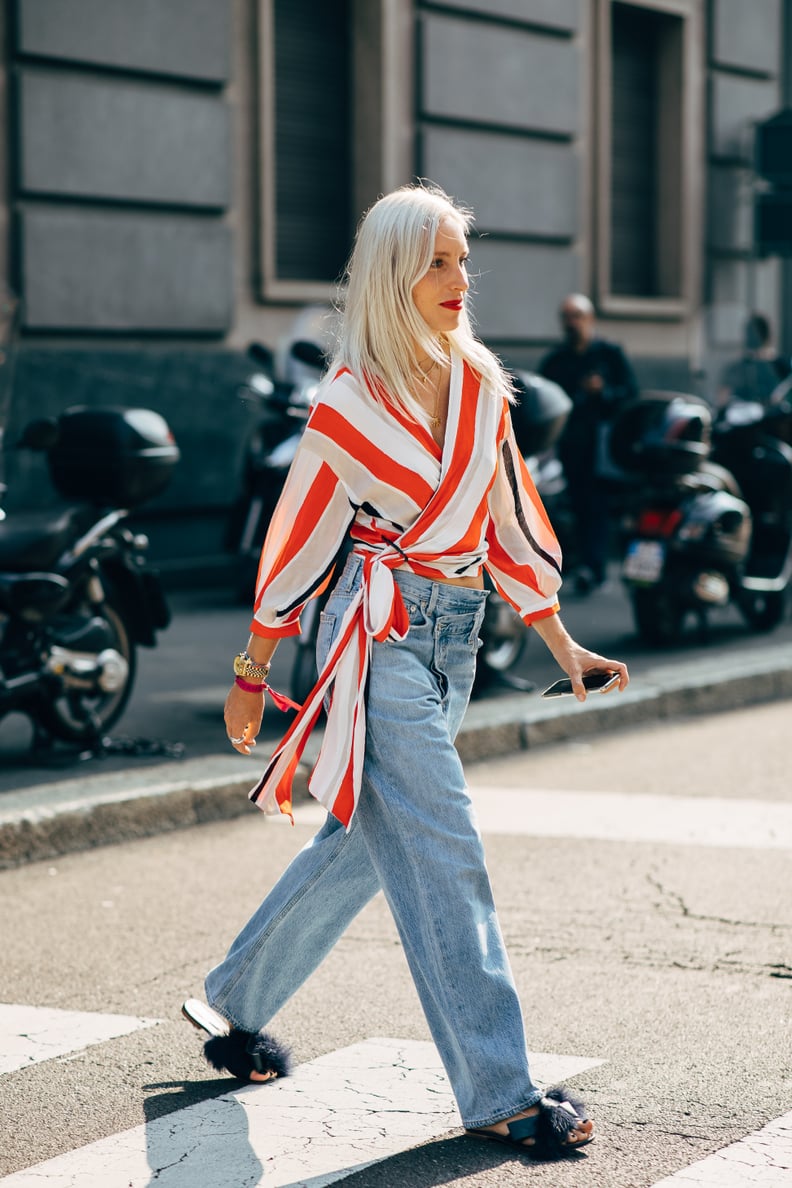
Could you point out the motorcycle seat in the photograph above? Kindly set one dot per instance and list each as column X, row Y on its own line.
column 35, row 540
column 710, row 476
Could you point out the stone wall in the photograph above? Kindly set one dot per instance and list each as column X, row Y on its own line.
column 744, row 81
column 498, row 122
column 122, row 169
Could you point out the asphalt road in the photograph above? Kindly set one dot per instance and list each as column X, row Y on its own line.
column 181, row 684
column 640, row 936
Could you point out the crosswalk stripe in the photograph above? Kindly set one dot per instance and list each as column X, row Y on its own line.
column 31, row 1034
column 332, row 1117
column 614, row 816
column 761, row 1159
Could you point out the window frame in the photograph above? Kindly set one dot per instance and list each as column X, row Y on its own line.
column 382, row 131
column 685, row 224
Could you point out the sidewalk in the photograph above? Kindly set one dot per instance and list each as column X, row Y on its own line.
column 46, row 820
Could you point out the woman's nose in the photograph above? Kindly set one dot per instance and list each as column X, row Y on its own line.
column 461, row 279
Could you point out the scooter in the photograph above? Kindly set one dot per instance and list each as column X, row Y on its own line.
column 283, row 407
column 76, row 593
column 714, row 523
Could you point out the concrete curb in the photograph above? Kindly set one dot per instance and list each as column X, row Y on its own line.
column 674, row 690
column 58, row 818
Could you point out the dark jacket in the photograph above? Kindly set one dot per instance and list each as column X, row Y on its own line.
column 589, row 409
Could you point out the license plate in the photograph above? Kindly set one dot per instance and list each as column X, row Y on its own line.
column 643, row 561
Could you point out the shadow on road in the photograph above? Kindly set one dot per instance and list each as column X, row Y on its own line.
column 182, row 1148
column 442, row 1161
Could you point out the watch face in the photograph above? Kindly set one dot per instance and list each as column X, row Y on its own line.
column 245, row 667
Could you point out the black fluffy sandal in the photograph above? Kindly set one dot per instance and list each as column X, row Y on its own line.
column 237, row 1052
column 559, row 1114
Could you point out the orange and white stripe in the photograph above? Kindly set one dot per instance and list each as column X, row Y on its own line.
column 365, row 467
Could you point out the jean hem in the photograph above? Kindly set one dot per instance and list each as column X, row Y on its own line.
column 511, row 1112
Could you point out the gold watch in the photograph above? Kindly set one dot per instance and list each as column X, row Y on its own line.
column 248, row 669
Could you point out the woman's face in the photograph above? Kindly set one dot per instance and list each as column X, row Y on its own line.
column 439, row 295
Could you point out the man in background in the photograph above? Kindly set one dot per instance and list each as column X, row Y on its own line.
column 597, row 377
column 759, row 371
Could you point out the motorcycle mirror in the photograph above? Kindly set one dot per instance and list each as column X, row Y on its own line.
column 261, row 354
column 310, row 353
column 39, row 435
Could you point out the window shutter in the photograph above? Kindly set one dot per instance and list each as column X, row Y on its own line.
column 313, row 155
column 634, row 159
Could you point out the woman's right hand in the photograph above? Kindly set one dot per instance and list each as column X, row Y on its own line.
column 243, row 713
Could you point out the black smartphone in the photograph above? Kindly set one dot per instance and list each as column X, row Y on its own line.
column 594, row 682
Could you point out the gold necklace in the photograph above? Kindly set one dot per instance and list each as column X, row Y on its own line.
column 433, row 417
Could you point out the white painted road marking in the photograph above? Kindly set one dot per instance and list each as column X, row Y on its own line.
column 31, row 1034
column 760, row 1160
column 332, row 1117
column 615, row 816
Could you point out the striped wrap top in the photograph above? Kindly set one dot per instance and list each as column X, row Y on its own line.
column 364, row 467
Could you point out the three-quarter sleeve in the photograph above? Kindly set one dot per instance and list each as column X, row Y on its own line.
column 524, row 557
column 303, row 538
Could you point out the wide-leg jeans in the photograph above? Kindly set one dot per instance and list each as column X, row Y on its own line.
column 414, row 836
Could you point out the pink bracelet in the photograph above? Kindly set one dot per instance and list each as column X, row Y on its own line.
column 283, row 703
column 248, row 687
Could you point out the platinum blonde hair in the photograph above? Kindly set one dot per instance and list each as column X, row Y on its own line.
column 381, row 325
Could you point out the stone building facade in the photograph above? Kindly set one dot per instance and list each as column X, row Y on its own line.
column 184, row 176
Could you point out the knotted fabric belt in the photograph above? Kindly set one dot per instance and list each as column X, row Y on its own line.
column 377, row 612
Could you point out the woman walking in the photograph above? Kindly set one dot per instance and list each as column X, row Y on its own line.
column 409, row 449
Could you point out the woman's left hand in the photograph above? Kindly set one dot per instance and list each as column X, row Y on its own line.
column 582, row 663
column 575, row 660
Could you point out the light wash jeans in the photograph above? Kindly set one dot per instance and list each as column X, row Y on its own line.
column 415, row 836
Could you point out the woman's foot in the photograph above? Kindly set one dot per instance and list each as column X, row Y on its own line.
column 580, row 1134
column 556, row 1126
column 248, row 1056
column 265, row 1076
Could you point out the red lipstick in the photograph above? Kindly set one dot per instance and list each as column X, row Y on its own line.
column 457, row 304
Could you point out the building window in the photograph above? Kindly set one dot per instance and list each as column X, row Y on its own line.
column 335, row 110
column 313, row 138
column 648, row 122
column 634, row 164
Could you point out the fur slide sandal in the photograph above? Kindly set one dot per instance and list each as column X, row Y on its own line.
column 237, row 1052
column 559, row 1114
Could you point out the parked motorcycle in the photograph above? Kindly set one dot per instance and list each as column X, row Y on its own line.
column 283, row 407
column 714, row 523
column 76, row 593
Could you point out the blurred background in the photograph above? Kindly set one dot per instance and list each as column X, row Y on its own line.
column 182, row 177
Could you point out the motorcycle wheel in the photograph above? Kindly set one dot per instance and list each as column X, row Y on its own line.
column 80, row 715
column 659, row 619
column 764, row 612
